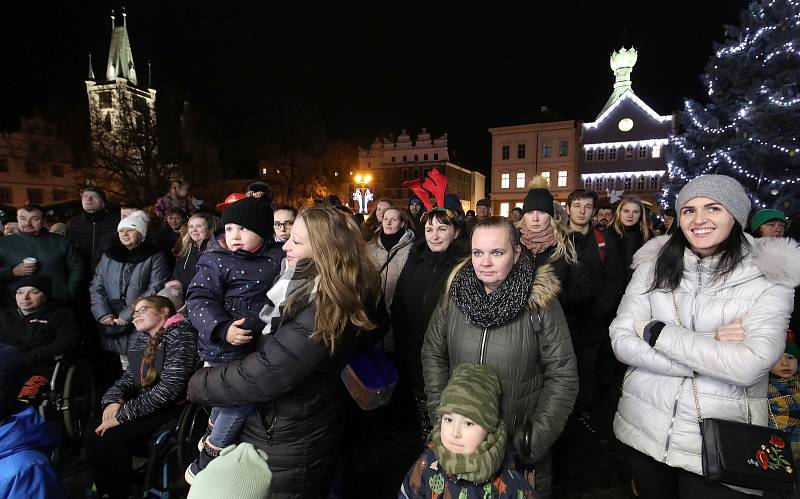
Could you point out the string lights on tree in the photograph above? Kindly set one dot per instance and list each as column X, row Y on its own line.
column 750, row 125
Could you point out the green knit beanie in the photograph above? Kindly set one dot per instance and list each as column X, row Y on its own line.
column 473, row 392
column 792, row 349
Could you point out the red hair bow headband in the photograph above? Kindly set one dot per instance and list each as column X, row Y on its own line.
column 435, row 183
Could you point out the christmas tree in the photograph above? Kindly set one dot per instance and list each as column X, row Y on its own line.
column 750, row 125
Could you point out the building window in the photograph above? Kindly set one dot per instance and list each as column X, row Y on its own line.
column 656, row 152
column 436, row 156
column 60, row 195
column 424, row 157
column 642, row 151
column 3, row 165
column 504, row 209
column 5, row 195
column 629, row 152
column 589, row 154
column 505, row 180
column 424, row 172
column 506, row 152
column 57, row 170
column 601, row 155
column 405, row 159
column 627, row 183
column 562, row 148
column 612, row 154
column 520, row 180
column 562, row 178
column 520, row 151
column 393, row 158
column 105, row 100
column 656, row 182
column 640, row 183
column 519, row 205
column 546, row 150
column 546, row 176
column 416, row 157
column 35, row 196
column 31, row 168
column 587, row 183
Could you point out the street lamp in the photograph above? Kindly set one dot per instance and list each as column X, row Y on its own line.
column 362, row 194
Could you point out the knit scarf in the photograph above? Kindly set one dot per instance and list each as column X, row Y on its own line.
column 784, row 408
column 500, row 306
column 289, row 282
column 478, row 467
column 538, row 241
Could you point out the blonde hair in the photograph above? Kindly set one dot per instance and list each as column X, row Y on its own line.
column 565, row 247
column 348, row 281
column 184, row 245
column 642, row 216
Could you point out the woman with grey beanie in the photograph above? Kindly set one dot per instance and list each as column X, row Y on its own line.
column 707, row 302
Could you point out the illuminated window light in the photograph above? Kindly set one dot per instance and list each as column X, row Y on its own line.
column 631, row 143
column 594, row 177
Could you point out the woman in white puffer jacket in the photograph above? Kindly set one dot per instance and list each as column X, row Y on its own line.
column 733, row 296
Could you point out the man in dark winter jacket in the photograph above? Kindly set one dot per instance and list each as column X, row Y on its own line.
column 88, row 230
column 24, row 440
column 42, row 328
column 599, row 259
column 35, row 251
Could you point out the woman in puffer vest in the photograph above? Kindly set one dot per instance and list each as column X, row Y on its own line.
column 707, row 300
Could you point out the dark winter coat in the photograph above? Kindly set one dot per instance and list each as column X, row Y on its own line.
column 228, row 286
column 175, row 362
column 532, row 356
column 588, row 323
column 42, row 335
column 299, row 422
column 427, row 479
column 628, row 243
column 120, row 278
column 419, row 288
column 577, row 289
column 57, row 259
column 186, row 265
column 87, row 233
column 166, row 238
column 25, row 472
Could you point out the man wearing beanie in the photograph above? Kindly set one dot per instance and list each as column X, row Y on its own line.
column 24, row 440
column 40, row 326
column 467, row 454
column 88, row 230
column 768, row 223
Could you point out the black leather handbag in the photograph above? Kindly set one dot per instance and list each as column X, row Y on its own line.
column 744, row 454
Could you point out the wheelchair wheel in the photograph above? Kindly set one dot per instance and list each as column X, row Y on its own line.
column 191, row 427
column 80, row 395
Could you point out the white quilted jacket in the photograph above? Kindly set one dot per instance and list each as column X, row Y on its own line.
column 656, row 414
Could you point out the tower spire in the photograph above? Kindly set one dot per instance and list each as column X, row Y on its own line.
column 91, row 71
column 112, row 20
column 124, row 17
column 120, row 57
column 149, row 75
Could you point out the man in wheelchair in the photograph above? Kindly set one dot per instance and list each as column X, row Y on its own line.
column 41, row 327
column 24, row 439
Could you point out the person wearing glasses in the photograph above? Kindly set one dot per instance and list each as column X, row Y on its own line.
column 283, row 219
column 419, row 287
column 148, row 395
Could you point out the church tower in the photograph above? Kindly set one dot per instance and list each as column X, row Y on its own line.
column 117, row 101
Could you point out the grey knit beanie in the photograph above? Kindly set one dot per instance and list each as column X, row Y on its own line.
column 240, row 471
column 721, row 188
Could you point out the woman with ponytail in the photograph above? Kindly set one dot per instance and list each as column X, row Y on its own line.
column 147, row 396
column 325, row 302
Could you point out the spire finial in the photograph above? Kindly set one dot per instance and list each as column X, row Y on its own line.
column 112, row 19
column 91, row 71
column 149, row 75
column 124, row 17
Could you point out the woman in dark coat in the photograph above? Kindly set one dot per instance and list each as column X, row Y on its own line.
column 199, row 230
column 419, row 287
column 329, row 292
column 630, row 230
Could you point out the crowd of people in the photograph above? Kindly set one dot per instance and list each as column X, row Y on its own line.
column 502, row 331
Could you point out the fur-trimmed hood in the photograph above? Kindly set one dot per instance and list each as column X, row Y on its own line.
column 545, row 289
column 777, row 258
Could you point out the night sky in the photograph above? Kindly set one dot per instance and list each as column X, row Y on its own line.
column 369, row 70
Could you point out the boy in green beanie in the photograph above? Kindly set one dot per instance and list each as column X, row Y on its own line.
column 467, row 455
column 784, row 394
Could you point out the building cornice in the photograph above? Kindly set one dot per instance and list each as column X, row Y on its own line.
column 533, row 127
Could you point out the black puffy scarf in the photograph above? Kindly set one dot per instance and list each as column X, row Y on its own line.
column 500, row 306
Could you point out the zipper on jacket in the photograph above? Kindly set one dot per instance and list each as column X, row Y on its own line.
column 482, row 353
column 672, row 421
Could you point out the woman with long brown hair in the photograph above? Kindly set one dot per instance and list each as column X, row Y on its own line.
column 162, row 360
column 373, row 220
column 328, row 292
